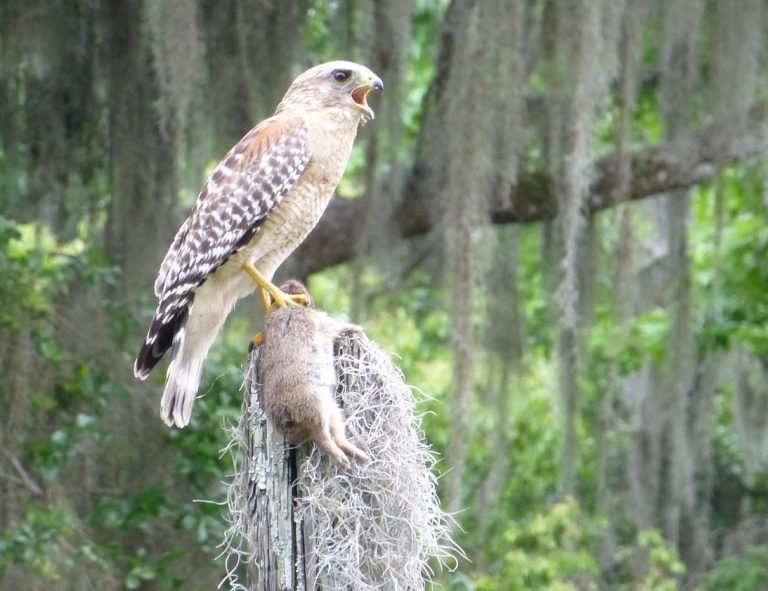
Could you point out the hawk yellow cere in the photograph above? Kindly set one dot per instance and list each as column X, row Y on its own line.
column 259, row 204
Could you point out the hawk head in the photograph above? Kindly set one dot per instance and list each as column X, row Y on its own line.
column 333, row 85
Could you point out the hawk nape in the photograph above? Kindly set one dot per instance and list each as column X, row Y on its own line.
column 258, row 205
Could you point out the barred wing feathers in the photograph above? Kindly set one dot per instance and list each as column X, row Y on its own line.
column 243, row 189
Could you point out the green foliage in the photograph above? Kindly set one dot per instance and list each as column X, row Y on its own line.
column 39, row 268
column 534, row 443
column 549, row 552
column 81, row 398
column 731, row 278
column 41, row 541
column 143, row 567
column 744, row 572
column 119, row 518
column 629, row 347
column 50, row 542
column 664, row 566
column 38, row 271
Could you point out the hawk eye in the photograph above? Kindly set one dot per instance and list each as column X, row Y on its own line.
column 341, row 75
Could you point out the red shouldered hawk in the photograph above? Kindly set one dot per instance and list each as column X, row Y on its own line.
column 258, row 205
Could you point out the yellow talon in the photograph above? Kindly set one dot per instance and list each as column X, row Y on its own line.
column 296, row 299
column 269, row 293
column 281, row 299
column 256, row 341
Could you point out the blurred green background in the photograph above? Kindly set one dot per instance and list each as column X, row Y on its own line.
column 556, row 224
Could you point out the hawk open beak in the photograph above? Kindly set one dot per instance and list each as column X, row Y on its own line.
column 360, row 95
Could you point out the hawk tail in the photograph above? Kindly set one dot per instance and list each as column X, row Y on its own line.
column 162, row 335
column 181, row 384
column 167, row 332
column 190, row 346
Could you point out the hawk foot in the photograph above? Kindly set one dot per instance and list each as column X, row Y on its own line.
column 256, row 341
column 270, row 294
column 281, row 299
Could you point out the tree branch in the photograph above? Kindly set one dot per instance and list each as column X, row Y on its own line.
column 672, row 166
column 23, row 477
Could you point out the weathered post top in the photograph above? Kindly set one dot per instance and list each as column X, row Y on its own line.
column 302, row 522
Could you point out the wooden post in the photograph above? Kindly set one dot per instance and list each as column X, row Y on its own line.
column 300, row 522
column 271, row 495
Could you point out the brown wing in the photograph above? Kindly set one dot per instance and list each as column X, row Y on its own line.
column 235, row 201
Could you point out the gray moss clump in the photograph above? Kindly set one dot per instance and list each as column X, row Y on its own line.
column 378, row 526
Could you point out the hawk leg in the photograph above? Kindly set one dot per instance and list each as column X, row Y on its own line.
column 269, row 293
column 268, row 290
column 264, row 297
